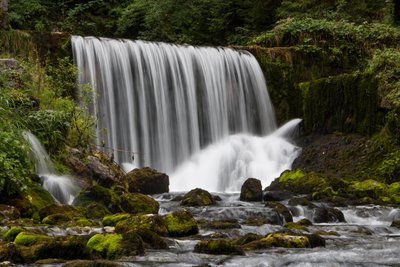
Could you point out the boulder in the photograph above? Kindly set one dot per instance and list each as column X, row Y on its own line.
column 147, row 181
column 300, row 201
column 181, row 223
column 103, row 174
column 113, row 219
column 325, row 214
column 251, row 190
column 138, row 203
column 198, row 197
column 395, row 223
column 92, row 263
column 283, row 211
column 222, row 224
column 218, row 247
column 153, row 223
column 64, row 247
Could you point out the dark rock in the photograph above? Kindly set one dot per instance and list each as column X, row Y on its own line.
column 218, row 247
column 153, row 223
column 247, row 238
column 295, row 226
column 90, row 263
column 147, row 181
column 67, row 248
column 181, row 223
column 395, row 223
column 67, row 210
column 197, row 197
column 9, row 252
column 152, row 239
column 304, row 222
column 251, row 190
column 138, row 203
column 9, row 213
column 100, row 172
column 300, row 201
column 281, row 209
column 222, row 224
column 316, row 240
column 277, row 195
column 327, row 215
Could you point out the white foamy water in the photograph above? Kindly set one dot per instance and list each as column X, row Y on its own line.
column 62, row 188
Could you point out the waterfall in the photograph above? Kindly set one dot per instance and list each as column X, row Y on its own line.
column 166, row 104
column 62, row 188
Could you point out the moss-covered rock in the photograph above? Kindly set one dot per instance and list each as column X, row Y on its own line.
column 67, row 210
column 104, row 170
column 9, row 252
column 181, row 223
column 301, row 182
column 296, row 226
column 369, row 188
column 251, row 190
column 96, row 210
column 113, row 219
column 114, row 245
column 66, row 247
column 247, row 238
column 12, row 233
column 218, row 247
column 197, row 197
column 287, row 240
column 395, row 223
column 101, row 195
column 147, row 181
column 304, row 222
column 29, row 239
column 281, row 209
column 31, row 200
column 138, row 203
column 154, row 223
column 323, row 232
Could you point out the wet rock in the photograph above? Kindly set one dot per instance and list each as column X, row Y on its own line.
column 181, row 223
column 218, row 247
column 8, row 213
column 316, row 240
column 247, row 238
column 197, row 197
column 12, row 233
column 30, row 239
column 395, row 223
column 295, row 226
column 138, row 203
column 251, row 190
column 281, row 209
column 222, row 224
column 323, row 232
column 67, row 248
column 151, row 239
column 300, row 201
column 154, row 223
column 100, row 195
column 90, row 263
column 327, row 215
column 277, row 195
column 304, row 222
column 147, row 181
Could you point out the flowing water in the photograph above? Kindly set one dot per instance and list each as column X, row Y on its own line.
column 62, row 188
column 183, row 110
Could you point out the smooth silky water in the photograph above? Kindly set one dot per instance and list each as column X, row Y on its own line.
column 61, row 187
column 203, row 116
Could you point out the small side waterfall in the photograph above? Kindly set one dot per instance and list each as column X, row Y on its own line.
column 61, row 188
column 171, row 102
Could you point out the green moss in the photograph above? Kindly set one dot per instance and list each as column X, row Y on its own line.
column 153, row 223
column 139, row 203
column 112, row 220
column 197, row 197
column 108, row 245
column 101, row 195
column 323, row 232
column 12, row 233
column 55, row 219
column 286, row 240
column 291, row 175
column 369, row 188
column 29, row 239
column 181, row 223
column 293, row 225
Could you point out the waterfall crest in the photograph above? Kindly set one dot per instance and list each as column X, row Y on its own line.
column 62, row 188
column 169, row 102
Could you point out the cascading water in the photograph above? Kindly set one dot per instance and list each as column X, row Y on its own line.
column 61, row 188
column 206, row 106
